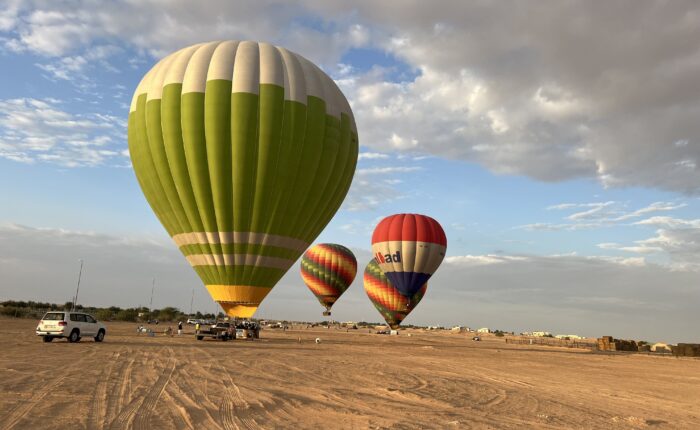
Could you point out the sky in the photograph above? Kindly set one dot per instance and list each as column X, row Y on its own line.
column 556, row 142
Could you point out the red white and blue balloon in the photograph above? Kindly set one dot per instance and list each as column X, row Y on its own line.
column 409, row 248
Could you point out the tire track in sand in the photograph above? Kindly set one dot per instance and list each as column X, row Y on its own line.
column 124, row 396
column 233, row 402
column 192, row 399
column 24, row 408
column 139, row 410
column 114, row 400
column 234, row 411
column 178, row 411
column 149, row 403
column 98, row 409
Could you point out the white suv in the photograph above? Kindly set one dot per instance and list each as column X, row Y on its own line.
column 71, row 325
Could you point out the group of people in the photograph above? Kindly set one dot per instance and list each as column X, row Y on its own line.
column 245, row 325
column 167, row 332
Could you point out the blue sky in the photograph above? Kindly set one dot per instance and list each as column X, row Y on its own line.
column 536, row 148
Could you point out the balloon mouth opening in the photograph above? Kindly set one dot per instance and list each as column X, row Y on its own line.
column 239, row 309
column 238, row 301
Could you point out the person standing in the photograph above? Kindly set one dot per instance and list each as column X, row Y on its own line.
column 179, row 328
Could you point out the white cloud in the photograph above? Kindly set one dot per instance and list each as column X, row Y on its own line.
column 377, row 185
column 665, row 221
column 387, row 170
column 517, row 97
column 600, row 214
column 76, row 69
column 372, row 156
column 156, row 29
column 8, row 14
column 543, row 226
column 33, row 130
column 681, row 244
column 563, row 206
column 640, row 249
column 481, row 260
column 678, row 239
column 654, row 207
column 596, row 211
column 583, row 295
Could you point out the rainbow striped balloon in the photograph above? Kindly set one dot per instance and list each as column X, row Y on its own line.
column 386, row 298
column 328, row 270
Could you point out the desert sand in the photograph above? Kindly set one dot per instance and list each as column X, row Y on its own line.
column 350, row 380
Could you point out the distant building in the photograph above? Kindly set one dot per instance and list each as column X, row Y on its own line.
column 568, row 336
column 661, row 347
column 484, row 330
column 540, row 334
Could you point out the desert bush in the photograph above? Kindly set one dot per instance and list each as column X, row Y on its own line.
column 127, row 315
column 13, row 311
column 103, row 314
column 168, row 314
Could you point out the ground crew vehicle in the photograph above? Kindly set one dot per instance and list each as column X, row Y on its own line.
column 71, row 325
column 219, row 331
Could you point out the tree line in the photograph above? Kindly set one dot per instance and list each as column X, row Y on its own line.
column 31, row 309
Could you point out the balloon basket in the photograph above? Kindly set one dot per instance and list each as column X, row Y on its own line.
column 326, row 313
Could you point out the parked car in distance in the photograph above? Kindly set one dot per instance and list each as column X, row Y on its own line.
column 70, row 325
column 192, row 321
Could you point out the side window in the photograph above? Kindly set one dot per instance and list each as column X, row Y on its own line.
column 80, row 317
column 74, row 317
column 90, row 319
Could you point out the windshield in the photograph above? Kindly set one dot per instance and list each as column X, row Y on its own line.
column 53, row 316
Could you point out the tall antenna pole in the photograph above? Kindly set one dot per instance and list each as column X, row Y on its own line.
column 153, row 287
column 77, row 290
column 191, row 301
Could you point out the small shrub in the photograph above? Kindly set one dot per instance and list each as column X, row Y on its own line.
column 127, row 315
column 12, row 311
column 103, row 315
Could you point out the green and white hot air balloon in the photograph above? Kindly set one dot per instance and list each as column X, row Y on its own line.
column 245, row 151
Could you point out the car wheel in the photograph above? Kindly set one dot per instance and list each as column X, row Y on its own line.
column 48, row 338
column 100, row 336
column 200, row 337
column 74, row 336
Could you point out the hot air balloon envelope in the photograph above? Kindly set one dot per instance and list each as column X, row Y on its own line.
column 244, row 151
column 386, row 298
column 328, row 270
column 409, row 248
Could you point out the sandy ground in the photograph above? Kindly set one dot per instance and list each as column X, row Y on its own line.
column 349, row 380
